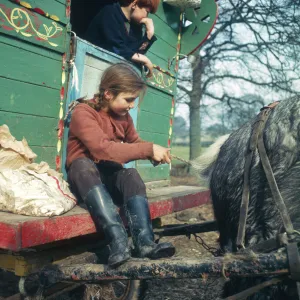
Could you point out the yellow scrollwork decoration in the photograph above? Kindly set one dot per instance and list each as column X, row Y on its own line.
column 160, row 79
column 18, row 14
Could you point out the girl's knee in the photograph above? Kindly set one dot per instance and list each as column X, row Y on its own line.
column 134, row 180
column 83, row 175
column 83, row 169
column 82, row 162
column 133, row 174
column 83, row 165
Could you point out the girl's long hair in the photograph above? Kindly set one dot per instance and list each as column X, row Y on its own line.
column 151, row 4
column 118, row 78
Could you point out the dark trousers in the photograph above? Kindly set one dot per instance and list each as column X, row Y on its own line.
column 121, row 183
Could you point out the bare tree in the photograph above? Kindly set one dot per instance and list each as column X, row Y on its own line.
column 255, row 44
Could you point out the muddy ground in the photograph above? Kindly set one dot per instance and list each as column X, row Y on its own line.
column 188, row 289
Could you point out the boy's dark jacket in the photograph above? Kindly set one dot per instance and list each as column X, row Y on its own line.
column 109, row 30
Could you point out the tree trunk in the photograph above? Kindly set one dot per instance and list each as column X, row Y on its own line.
column 194, row 106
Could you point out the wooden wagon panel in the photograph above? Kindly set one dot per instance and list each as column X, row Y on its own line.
column 34, row 43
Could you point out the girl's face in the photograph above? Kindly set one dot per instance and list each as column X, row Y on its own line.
column 122, row 103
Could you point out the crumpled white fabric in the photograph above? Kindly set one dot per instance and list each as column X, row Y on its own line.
column 13, row 153
column 28, row 188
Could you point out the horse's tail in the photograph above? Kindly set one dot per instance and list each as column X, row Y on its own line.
column 205, row 162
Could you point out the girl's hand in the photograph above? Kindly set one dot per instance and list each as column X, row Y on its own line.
column 149, row 27
column 161, row 154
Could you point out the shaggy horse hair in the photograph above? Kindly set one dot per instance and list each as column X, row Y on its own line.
column 282, row 142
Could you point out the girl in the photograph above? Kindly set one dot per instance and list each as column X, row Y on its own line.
column 118, row 28
column 102, row 137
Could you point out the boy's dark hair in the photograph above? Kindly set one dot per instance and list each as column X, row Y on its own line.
column 151, row 4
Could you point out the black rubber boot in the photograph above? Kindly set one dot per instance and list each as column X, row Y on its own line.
column 139, row 221
column 105, row 216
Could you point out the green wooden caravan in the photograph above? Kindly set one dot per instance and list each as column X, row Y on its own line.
column 45, row 63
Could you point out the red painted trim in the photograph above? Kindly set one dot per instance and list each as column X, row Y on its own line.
column 166, row 207
column 35, row 9
column 39, row 11
column 64, row 57
column 48, row 230
column 62, row 93
column 57, row 162
column 10, row 236
column 7, row 28
column 68, row 11
column 60, row 129
column 217, row 14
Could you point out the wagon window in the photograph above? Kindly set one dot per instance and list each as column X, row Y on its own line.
column 82, row 13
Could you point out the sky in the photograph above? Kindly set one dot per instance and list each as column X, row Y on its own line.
column 233, row 87
column 208, row 120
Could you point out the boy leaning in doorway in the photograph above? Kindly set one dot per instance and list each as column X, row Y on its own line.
column 125, row 29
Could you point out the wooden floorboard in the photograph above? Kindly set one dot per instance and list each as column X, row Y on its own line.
column 18, row 232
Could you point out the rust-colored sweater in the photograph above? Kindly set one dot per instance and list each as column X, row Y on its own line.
column 103, row 136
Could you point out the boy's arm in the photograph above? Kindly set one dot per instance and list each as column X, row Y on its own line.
column 110, row 30
column 146, row 43
column 113, row 31
column 149, row 27
column 149, row 37
column 143, row 60
column 117, row 44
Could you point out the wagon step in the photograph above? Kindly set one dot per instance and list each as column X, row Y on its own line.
column 246, row 264
column 50, row 294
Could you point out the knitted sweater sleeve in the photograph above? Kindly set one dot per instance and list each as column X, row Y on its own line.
column 86, row 127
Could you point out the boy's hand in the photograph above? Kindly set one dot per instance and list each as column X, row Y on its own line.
column 148, row 64
column 161, row 154
column 149, row 27
column 144, row 60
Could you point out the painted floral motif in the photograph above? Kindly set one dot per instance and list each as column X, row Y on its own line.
column 162, row 80
column 36, row 9
column 27, row 24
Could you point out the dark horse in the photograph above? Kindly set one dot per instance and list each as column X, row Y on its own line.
column 282, row 143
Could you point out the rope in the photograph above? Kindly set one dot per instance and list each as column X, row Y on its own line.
column 191, row 163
